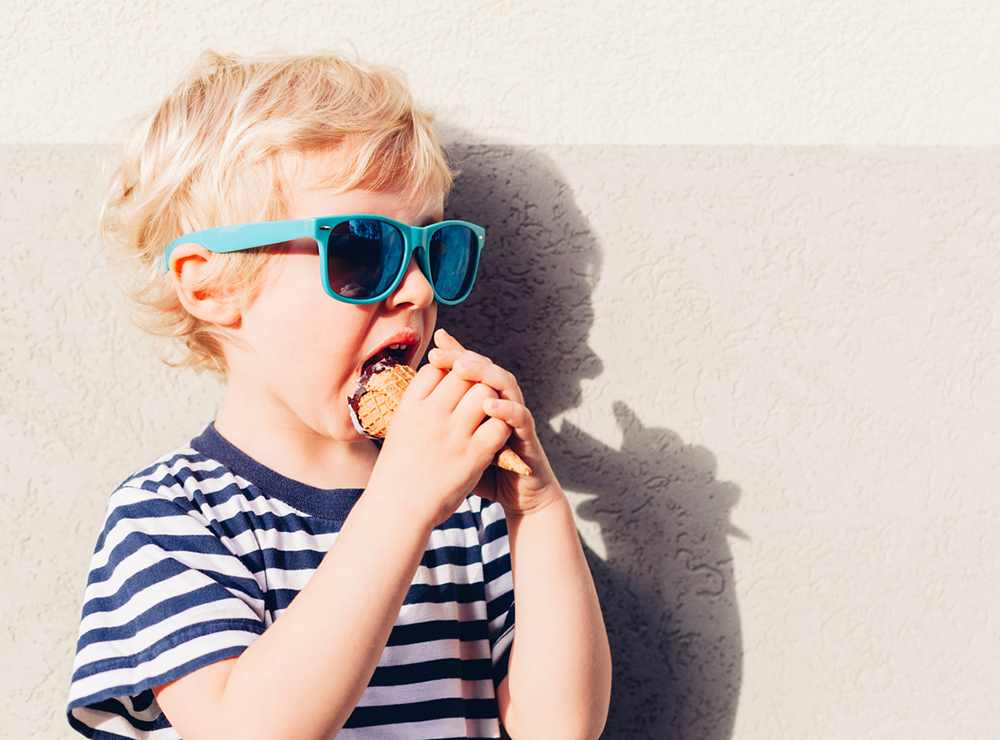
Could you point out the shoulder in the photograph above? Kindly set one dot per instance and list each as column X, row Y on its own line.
column 170, row 590
column 182, row 482
column 184, row 502
column 183, row 473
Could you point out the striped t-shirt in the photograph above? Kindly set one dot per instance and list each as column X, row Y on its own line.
column 203, row 550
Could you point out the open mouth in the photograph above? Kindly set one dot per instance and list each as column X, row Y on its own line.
column 401, row 353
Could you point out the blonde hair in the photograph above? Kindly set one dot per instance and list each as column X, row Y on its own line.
column 222, row 149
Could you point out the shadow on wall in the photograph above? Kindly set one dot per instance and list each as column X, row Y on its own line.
column 666, row 587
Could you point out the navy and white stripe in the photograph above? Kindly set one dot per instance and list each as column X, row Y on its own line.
column 203, row 550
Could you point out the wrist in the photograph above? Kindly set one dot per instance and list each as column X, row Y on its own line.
column 550, row 504
column 398, row 507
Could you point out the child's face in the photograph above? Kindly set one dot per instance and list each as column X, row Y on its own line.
column 301, row 351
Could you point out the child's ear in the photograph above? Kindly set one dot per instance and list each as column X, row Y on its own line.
column 200, row 296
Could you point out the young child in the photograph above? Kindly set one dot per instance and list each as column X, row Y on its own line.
column 282, row 576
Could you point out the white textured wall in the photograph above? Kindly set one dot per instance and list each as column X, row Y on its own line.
column 744, row 257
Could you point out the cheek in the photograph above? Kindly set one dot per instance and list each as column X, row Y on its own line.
column 294, row 334
column 430, row 321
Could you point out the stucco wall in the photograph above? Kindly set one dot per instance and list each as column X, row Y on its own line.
column 743, row 258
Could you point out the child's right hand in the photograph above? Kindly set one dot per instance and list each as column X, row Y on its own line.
column 438, row 444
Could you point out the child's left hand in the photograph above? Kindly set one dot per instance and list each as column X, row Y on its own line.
column 519, row 495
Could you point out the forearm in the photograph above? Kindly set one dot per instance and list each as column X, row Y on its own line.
column 559, row 679
column 302, row 678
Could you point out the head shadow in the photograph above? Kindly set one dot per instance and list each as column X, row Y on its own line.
column 665, row 578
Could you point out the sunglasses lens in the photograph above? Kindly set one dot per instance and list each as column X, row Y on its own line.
column 452, row 251
column 364, row 256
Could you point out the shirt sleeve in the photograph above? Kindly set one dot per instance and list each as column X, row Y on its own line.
column 499, row 585
column 165, row 597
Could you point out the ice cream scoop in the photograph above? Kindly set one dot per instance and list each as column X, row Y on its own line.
column 380, row 389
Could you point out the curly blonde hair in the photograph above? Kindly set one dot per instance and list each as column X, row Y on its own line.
column 222, row 149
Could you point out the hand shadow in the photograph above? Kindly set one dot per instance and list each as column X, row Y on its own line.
column 666, row 585
column 666, row 581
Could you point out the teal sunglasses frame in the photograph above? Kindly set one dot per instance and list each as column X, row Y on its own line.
column 416, row 240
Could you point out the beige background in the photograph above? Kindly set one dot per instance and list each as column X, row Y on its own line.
column 744, row 257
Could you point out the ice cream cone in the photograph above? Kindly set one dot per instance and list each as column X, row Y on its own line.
column 510, row 460
column 382, row 393
column 380, row 390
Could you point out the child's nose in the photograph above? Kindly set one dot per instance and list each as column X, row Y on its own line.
column 413, row 289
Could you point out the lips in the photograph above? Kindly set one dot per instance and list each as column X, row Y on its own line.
column 401, row 347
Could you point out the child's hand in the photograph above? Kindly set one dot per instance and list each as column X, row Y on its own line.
column 518, row 494
column 438, row 445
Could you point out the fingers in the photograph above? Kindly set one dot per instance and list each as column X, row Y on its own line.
column 446, row 358
column 466, row 383
column 472, row 367
column 448, row 349
column 516, row 416
column 451, row 394
column 492, row 434
column 485, row 372
column 425, row 382
column 470, row 409
column 446, row 341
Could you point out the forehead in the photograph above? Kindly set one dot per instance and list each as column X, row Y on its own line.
column 395, row 204
column 315, row 184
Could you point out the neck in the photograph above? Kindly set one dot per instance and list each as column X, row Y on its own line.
column 297, row 451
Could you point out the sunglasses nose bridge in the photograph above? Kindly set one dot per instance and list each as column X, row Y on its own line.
column 419, row 249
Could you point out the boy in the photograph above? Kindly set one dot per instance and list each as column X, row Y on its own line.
column 394, row 571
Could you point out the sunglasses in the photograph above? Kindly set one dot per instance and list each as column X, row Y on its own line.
column 363, row 257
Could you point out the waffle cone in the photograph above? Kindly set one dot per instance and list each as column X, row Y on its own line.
column 510, row 460
column 383, row 392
